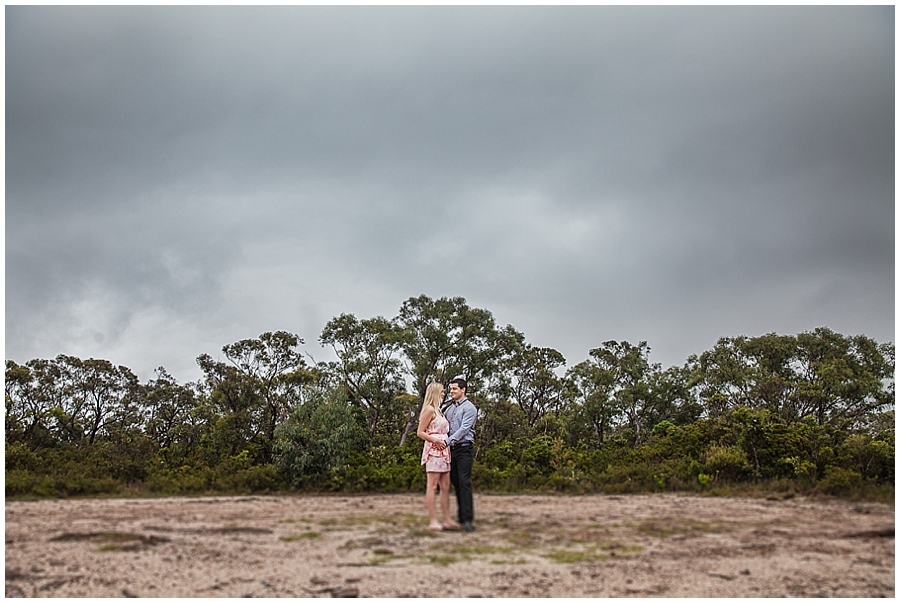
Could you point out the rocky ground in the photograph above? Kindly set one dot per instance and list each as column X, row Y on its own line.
column 377, row 546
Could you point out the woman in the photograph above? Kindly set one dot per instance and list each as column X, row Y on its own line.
column 433, row 428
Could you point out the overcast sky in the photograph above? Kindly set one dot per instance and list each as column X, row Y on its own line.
column 178, row 179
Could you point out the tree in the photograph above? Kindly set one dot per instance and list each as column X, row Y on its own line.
column 235, row 417
column 369, row 365
column 95, row 396
column 317, row 437
column 532, row 380
column 446, row 337
column 590, row 386
column 503, row 423
column 177, row 417
column 675, row 394
column 255, row 390
column 819, row 374
column 726, row 376
column 273, row 365
column 842, row 378
column 31, row 391
column 630, row 373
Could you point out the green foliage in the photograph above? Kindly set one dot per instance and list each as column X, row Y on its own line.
column 727, row 462
column 805, row 413
column 369, row 366
column 820, row 374
column 382, row 469
column 317, row 438
column 840, row 481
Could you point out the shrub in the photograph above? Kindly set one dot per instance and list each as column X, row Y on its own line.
column 538, row 457
column 19, row 456
column 316, row 438
column 183, row 480
column 383, row 469
column 840, row 481
column 872, row 458
column 728, row 462
column 256, row 478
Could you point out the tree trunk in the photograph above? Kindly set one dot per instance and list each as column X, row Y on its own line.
column 414, row 416
column 412, row 420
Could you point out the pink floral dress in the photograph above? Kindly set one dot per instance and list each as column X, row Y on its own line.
column 436, row 461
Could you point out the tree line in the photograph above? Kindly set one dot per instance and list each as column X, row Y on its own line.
column 812, row 410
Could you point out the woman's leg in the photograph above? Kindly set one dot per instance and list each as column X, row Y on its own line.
column 429, row 499
column 444, row 482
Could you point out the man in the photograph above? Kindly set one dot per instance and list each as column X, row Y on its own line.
column 462, row 415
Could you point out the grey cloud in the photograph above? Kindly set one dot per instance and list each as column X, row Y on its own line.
column 651, row 172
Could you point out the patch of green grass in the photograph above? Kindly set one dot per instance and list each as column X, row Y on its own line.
column 597, row 552
column 382, row 555
column 569, row 556
column 349, row 522
column 669, row 528
column 621, row 550
column 654, row 529
column 106, row 548
column 111, row 548
column 445, row 555
column 443, row 559
column 302, row 536
column 362, row 543
column 479, row 549
column 424, row 533
column 522, row 538
column 113, row 541
column 301, row 520
column 95, row 536
column 118, row 537
column 591, row 535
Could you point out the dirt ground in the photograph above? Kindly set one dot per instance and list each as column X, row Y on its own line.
column 377, row 546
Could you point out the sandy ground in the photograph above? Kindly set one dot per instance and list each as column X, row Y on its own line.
column 377, row 546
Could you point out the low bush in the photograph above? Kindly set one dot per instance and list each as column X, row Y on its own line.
column 737, row 452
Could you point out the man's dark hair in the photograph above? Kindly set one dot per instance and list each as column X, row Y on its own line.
column 460, row 382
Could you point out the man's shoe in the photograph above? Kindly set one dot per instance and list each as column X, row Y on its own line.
column 468, row 527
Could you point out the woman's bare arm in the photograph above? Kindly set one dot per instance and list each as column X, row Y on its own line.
column 424, row 420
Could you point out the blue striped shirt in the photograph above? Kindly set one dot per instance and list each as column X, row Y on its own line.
column 462, row 416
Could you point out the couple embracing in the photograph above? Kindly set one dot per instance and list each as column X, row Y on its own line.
column 449, row 453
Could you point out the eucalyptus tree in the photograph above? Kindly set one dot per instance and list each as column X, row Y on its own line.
column 111, row 395
column 726, row 377
column 255, row 388
column 447, row 337
column 819, row 374
column 369, row 366
column 177, row 416
column 589, row 389
column 676, row 398
column 842, row 378
column 532, row 382
column 318, row 437
column 235, row 409
column 90, row 397
column 31, row 391
column 276, row 367
column 632, row 378
column 40, row 395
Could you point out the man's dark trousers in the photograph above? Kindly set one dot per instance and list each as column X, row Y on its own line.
column 462, row 456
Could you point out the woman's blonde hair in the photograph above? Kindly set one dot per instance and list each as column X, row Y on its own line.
column 434, row 395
